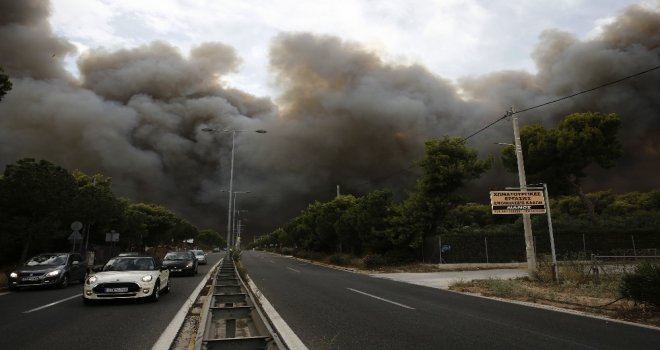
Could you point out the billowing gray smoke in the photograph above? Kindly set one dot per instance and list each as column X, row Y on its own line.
column 345, row 116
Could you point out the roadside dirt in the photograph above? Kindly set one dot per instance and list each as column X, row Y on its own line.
column 602, row 299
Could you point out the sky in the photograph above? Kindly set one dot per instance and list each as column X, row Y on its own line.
column 451, row 38
column 348, row 92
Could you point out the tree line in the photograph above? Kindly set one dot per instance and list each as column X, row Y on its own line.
column 39, row 200
column 375, row 224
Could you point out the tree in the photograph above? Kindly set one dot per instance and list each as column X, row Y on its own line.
column 560, row 156
column 446, row 167
column 34, row 197
column 5, row 84
column 211, row 238
column 95, row 204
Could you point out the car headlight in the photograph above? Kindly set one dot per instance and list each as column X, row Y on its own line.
column 190, row 264
column 13, row 275
column 91, row 279
column 53, row 273
column 147, row 278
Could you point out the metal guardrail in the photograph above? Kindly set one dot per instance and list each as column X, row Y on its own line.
column 231, row 319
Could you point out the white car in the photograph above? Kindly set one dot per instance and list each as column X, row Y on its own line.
column 200, row 255
column 128, row 277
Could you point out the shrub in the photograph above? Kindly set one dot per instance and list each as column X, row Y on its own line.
column 287, row 251
column 339, row 259
column 398, row 257
column 643, row 285
column 372, row 261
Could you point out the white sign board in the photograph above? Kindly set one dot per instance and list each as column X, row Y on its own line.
column 517, row 202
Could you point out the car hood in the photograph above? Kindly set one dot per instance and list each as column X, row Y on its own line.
column 123, row 276
column 38, row 269
column 176, row 263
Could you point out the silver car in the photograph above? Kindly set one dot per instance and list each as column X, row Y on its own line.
column 200, row 255
column 49, row 269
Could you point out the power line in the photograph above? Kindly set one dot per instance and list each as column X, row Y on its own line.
column 563, row 98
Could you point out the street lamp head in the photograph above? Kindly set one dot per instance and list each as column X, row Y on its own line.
column 208, row 129
column 261, row 131
column 504, row 144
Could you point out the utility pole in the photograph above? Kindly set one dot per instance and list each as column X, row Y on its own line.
column 527, row 222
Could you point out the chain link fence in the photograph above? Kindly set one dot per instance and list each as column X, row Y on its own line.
column 505, row 248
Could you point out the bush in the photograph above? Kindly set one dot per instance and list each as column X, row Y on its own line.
column 340, row 259
column 643, row 285
column 287, row 251
column 372, row 261
column 398, row 257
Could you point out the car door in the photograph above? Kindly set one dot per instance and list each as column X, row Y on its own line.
column 164, row 273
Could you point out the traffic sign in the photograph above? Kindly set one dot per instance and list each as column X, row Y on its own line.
column 517, row 202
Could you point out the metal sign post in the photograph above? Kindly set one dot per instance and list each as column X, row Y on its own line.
column 530, row 202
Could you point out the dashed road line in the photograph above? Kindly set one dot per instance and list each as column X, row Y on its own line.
column 52, row 304
column 381, row 299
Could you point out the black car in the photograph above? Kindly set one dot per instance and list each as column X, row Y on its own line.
column 49, row 269
column 181, row 263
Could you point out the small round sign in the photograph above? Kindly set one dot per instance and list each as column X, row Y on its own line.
column 76, row 225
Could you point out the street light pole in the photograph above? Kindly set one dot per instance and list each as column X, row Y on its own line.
column 231, row 176
column 231, row 184
column 527, row 222
column 233, row 226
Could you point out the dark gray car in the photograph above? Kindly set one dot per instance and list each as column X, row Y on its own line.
column 49, row 269
column 181, row 263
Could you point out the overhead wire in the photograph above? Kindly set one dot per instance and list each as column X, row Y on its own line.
column 561, row 99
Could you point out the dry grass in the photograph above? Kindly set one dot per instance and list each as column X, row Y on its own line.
column 601, row 299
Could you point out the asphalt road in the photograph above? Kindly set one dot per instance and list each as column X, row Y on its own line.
column 332, row 309
column 57, row 319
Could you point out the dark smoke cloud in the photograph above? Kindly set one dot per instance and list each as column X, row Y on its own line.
column 345, row 116
column 29, row 48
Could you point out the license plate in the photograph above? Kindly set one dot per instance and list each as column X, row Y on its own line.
column 116, row 290
column 176, row 270
column 33, row 278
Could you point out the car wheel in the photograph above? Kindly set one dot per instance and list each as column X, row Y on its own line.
column 155, row 295
column 64, row 282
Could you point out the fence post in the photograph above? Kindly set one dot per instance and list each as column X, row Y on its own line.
column 486, row 245
column 633, row 243
column 584, row 246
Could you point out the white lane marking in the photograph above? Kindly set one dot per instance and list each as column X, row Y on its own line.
column 51, row 304
column 382, row 299
column 5, row 293
column 294, row 270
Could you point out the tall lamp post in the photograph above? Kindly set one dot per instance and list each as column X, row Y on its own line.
column 231, row 174
column 235, row 211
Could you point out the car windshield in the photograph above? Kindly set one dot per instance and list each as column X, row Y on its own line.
column 47, row 260
column 129, row 264
column 177, row 256
column 199, row 252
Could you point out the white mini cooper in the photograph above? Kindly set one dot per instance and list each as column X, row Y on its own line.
column 128, row 277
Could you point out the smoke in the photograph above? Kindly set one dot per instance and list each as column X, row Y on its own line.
column 345, row 117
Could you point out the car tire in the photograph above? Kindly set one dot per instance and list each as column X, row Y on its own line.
column 64, row 282
column 155, row 295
